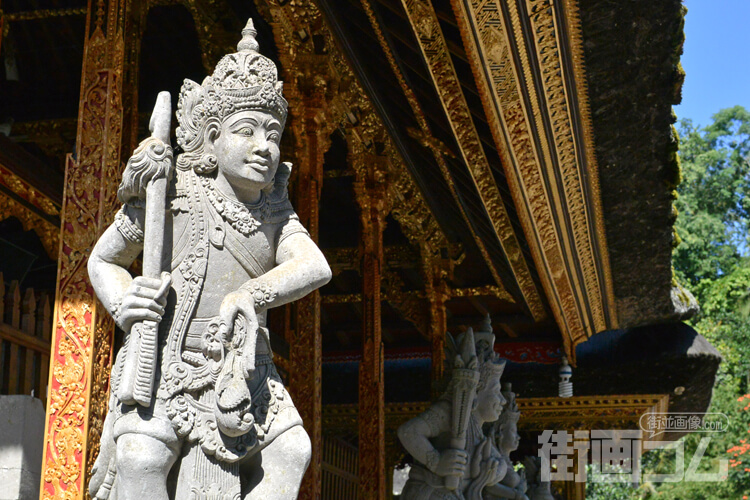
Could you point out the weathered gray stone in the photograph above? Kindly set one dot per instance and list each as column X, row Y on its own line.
column 21, row 445
column 194, row 386
column 461, row 443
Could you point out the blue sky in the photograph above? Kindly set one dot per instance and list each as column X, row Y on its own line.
column 716, row 58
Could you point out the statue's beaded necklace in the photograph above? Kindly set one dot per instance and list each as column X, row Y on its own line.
column 245, row 218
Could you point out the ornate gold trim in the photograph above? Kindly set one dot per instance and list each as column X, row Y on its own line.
column 589, row 412
column 48, row 233
column 615, row 412
column 575, row 42
column 83, row 330
column 551, row 215
column 424, row 136
column 479, row 291
column 32, row 15
column 434, row 49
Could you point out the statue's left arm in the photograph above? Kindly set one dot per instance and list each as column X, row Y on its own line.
column 300, row 269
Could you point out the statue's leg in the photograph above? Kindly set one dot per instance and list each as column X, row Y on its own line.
column 100, row 471
column 143, row 463
column 276, row 472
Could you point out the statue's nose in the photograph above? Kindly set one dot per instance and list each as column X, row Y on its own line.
column 260, row 146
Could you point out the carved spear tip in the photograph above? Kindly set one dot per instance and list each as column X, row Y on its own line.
column 161, row 118
column 468, row 348
column 487, row 324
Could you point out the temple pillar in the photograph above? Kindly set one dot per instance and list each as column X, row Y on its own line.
column 438, row 295
column 371, row 196
column 83, row 330
column 436, row 271
column 306, row 352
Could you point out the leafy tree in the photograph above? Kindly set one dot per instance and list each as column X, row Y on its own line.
column 714, row 196
column 605, row 490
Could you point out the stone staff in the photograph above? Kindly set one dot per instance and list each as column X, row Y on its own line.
column 147, row 177
column 463, row 391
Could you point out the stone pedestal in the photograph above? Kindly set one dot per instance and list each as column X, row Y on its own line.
column 21, row 445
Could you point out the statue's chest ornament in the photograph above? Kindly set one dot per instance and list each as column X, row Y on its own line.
column 244, row 218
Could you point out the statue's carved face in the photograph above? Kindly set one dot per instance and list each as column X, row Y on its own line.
column 510, row 437
column 490, row 401
column 247, row 151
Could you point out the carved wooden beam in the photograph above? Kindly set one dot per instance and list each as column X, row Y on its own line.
column 34, row 202
column 480, row 291
column 528, row 65
column 32, row 15
column 346, row 259
column 589, row 412
column 474, row 156
column 434, row 49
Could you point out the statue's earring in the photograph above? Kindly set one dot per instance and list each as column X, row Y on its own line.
column 207, row 164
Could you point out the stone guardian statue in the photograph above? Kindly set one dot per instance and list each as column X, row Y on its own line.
column 197, row 409
column 454, row 457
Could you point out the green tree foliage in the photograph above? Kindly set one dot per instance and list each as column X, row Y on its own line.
column 714, row 201
column 605, row 490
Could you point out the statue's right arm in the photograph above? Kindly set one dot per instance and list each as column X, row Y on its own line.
column 415, row 436
column 127, row 299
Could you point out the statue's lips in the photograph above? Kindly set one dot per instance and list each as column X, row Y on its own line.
column 261, row 165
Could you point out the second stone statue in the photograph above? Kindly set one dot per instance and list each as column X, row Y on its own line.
column 198, row 410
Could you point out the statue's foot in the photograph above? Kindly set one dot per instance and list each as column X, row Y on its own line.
column 276, row 472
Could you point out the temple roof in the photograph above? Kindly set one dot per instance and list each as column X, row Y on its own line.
column 538, row 134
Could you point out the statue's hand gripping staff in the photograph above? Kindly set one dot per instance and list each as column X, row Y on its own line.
column 463, row 390
column 148, row 173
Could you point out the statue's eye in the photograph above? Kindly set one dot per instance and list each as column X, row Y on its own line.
column 274, row 137
column 246, row 131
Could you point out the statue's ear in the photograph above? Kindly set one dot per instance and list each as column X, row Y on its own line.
column 211, row 132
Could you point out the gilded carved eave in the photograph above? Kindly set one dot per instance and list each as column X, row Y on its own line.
column 528, row 65
column 472, row 152
column 526, row 158
column 27, row 202
column 434, row 48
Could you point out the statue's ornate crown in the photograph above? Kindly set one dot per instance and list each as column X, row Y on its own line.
column 245, row 80
column 489, row 362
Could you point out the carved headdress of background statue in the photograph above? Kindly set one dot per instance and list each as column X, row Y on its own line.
column 446, row 468
column 195, row 381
